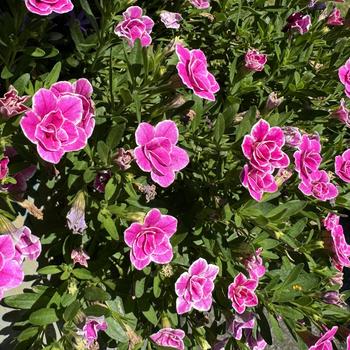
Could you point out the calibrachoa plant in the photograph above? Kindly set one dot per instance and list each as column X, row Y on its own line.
column 174, row 175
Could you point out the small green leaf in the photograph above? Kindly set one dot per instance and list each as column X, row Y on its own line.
column 151, row 315
column 96, row 293
column 53, row 76
column 43, row 317
column 49, row 270
column 22, row 301
column 28, row 333
column 219, row 128
column 71, row 311
column 82, row 274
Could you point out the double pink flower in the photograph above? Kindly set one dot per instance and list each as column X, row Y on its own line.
column 254, row 60
column 169, row 338
column 344, row 76
column 157, row 152
column 335, row 18
column 200, row 4
column 4, row 167
column 91, row 328
column 46, row 7
column 194, row 288
column 342, row 166
column 325, row 342
column 299, row 22
column 12, row 104
column 26, row 244
column 150, row 241
column 255, row 266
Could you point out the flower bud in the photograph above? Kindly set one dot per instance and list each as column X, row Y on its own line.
column 76, row 215
column 273, row 101
column 332, row 297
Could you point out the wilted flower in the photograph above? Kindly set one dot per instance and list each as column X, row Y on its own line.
column 171, row 19
column 325, row 342
column 149, row 191
column 239, row 323
column 80, row 257
column 282, row 176
column 200, row 4
column 76, row 215
column 4, row 167
column 342, row 166
column 123, row 158
column 342, row 113
column 337, row 279
column 317, row 5
column 255, row 343
column 254, row 60
column 169, row 338
column 292, row 136
column 273, row 101
column 91, row 328
column 332, row 297
column 299, row 22
column 101, row 180
column 335, row 18
column 27, row 245
column 12, row 104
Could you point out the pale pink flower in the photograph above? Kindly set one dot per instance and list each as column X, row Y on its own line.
column 342, row 113
column 307, row 158
column 263, row 147
column 292, row 136
column 12, row 104
column 193, row 71
column 240, row 323
column 171, row 19
column 157, row 152
column 79, row 257
column 299, row 22
column 254, row 265
column 91, row 328
column 46, row 7
column 27, row 245
column 254, row 60
column 340, row 247
column 342, row 166
column 76, row 215
column 61, row 119
column 11, row 274
column 335, row 18
column 169, row 338
column 344, row 76
column 331, row 221
column 258, row 182
column 255, row 342
column 194, row 288
column 150, row 241
column 135, row 26
column 4, row 167
column 200, row 4
column 241, row 292
column 319, row 186
column 325, row 342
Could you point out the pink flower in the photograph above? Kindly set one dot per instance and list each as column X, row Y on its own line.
column 332, row 297
column 61, row 119
column 325, row 342
column 200, row 4
column 242, row 293
column 79, row 257
column 344, row 76
column 257, row 182
column 12, row 104
column 91, row 328
column 263, row 147
column 331, row 221
column 255, row 266
column 27, row 245
column 342, row 166
column 254, row 60
column 335, row 18
column 348, row 343
column 340, row 247
column 135, row 26
column 240, row 323
column 171, row 19
column 169, row 338
column 194, row 288
column 193, row 71
column 46, row 7
column 255, row 343
column 307, row 158
column 123, row 158
column 11, row 274
column 150, row 241
column 157, row 152
column 4, row 167
column 292, row 136
column 342, row 113
column 299, row 22
column 319, row 186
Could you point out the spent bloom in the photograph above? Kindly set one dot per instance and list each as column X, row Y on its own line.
column 254, row 265
column 340, row 247
column 325, row 342
column 342, row 113
column 194, row 288
column 344, row 76
column 263, row 147
column 76, row 215
column 193, row 71
column 299, row 22
column 91, row 328
column 46, row 7
column 254, row 60
column 273, row 101
column 135, row 26
column 26, row 244
column 157, row 152
column 292, row 136
column 61, row 119
column 123, row 158
column 335, row 18
column 150, row 241
column 239, row 323
column 79, row 257
column 4, row 167
column 342, row 166
column 200, row 4
column 101, row 180
column 331, row 221
column 12, row 104
column 171, row 19
column 332, row 297
column 169, row 338
column 241, row 292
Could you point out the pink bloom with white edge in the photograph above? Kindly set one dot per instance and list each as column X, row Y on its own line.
column 340, row 247
column 135, row 26
column 200, row 4
column 348, row 343
column 255, row 266
column 307, row 158
column 254, row 60
column 342, row 166
column 240, row 323
column 171, row 19
column 325, row 342
column 331, row 221
column 335, row 18
column 80, row 257
column 61, row 119
column 242, row 293
column 46, row 7
column 12, row 104
column 4, row 167
column 193, row 71
column 342, row 113
column 258, row 182
column 263, row 147
column 91, row 328
column 194, row 288
column 150, row 241
column 27, row 245
column 299, row 22
column 11, row 273
column 157, row 152
column 344, row 76
column 319, row 186
column 169, row 338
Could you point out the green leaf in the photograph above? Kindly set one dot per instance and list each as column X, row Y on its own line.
column 219, row 128
column 156, row 286
column 115, row 331
column 293, row 275
column 21, row 83
column 140, row 287
column 246, row 124
column 5, row 73
column 38, row 52
column 96, row 293
column 110, row 188
column 115, row 135
column 103, row 152
column 71, row 311
column 82, row 274
column 43, row 317
column 22, row 301
column 49, row 270
column 151, row 315
column 53, row 76
column 28, row 333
